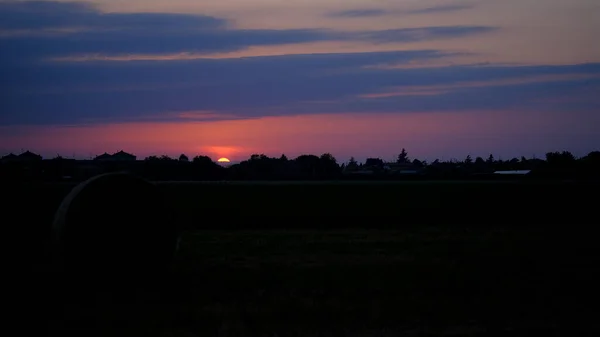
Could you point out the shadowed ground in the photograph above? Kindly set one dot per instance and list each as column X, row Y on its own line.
column 114, row 223
column 417, row 282
column 456, row 278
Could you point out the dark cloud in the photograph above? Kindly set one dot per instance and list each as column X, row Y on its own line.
column 71, row 93
column 126, row 42
column 26, row 15
column 358, row 13
column 372, row 12
column 40, row 30
column 439, row 9
column 34, row 91
column 67, row 92
column 421, row 34
column 26, row 25
column 160, row 42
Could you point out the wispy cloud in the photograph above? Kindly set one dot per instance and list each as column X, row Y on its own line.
column 374, row 12
column 206, row 116
column 359, row 13
column 439, row 9
column 35, row 31
column 422, row 34
column 209, row 89
column 50, row 14
column 432, row 90
column 130, row 67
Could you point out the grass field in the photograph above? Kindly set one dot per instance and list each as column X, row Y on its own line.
column 247, row 205
column 354, row 259
column 413, row 282
column 378, row 204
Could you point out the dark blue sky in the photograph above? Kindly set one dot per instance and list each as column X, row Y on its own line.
column 85, row 65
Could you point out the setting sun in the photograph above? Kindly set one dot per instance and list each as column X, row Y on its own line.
column 223, row 160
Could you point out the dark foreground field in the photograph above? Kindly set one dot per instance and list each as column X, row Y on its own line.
column 325, row 205
column 412, row 259
column 417, row 282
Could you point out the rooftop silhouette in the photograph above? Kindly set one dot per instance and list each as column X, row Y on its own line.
column 559, row 165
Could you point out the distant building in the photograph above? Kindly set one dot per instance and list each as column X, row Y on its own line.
column 63, row 159
column 29, row 156
column 9, row 157
column 374, row 163
column 513, row 172
column 362, row 172
column 119, row 156
column 123, row 156
column 402, row 168
column 407, row 172
column 103, row 157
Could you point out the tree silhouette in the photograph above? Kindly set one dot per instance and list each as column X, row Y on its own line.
column 202, row 160
column 261, row 156
column 308, row 165
column 329, row 167
column 417, row 163
column 352, row 161
column 352, row 165
column 374, row 162
column 560, row 158
column 328, row 157
column 560, row 164
column 590, row 164
column 403, row 157
column 592, row 158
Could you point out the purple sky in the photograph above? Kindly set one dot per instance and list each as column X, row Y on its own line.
column 442, row 79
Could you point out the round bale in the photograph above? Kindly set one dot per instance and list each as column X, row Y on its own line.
column 114, row 223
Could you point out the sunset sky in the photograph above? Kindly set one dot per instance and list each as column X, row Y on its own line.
column 228, row 78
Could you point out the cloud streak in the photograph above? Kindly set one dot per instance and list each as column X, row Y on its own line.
column 37, row 89
column 433, row 90
column 32, row 15
column 359, row 13
column 375, row 12
column 101, row 92
column 35, row 31
column 147, row 42
column 439, row 9
column 422, row 34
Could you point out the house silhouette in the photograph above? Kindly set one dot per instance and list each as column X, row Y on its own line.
column 29, row 156
column 104, row 156
column 122, row 155
column 9, row 157
column 119, row 156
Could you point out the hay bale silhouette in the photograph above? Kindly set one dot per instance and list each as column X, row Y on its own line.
column 114, row 223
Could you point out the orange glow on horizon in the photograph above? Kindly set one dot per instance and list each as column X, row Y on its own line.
column 224, row 160
column 343, row 135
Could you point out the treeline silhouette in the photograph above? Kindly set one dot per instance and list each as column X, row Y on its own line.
column 556, row 165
